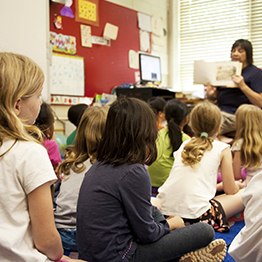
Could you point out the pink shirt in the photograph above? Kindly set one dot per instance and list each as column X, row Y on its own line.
column 53, row 151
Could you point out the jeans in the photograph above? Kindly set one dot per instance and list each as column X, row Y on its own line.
column 175, row 244
column 68, row 236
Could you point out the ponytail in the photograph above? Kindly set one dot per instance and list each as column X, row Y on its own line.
column 195, row 149
column 175, row 135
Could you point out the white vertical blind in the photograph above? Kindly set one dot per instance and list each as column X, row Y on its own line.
column 208, row 28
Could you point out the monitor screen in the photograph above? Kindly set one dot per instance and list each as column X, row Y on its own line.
column 150, row 68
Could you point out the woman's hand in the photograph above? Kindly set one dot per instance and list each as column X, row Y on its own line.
column 212, row 92
column 239, row 80
column 175, row 222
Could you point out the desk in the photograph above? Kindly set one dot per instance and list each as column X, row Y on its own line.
column 145, row 93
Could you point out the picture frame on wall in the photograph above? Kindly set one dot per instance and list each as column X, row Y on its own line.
column 87, row 12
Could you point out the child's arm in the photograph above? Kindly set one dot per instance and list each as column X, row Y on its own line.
column 237, row 165
column 229, row 185
column 46, row 238
column 175, row 222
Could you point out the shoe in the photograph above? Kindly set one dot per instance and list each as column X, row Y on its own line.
column 214, row 252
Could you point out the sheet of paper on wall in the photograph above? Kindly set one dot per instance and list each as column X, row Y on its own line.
column 217, row 73
column 133, row 59
column 144, row 41
column 110, row 31
column 157, row 40
column 86, row 40
column 100, row 40
column 157, row 26
column 144, row 22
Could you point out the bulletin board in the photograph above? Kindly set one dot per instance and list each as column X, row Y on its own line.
column 67, row 75
column 105, row 66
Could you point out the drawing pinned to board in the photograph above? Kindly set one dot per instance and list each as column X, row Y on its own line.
column 66, row 10
column 62, row 43
column 67, row 75
column 58, row 22
column 110, row 31
column 87, row 12
column 133, row 59
column 144, row 41
column 97, row 40
column 86, row 40
column 144, row 22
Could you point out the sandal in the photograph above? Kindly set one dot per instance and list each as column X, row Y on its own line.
column 214, row 252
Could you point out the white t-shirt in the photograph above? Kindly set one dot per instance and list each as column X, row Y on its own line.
column 187, row 190
column 250, row 171
column 65, row 213
column 247, row 245
column 24, row 168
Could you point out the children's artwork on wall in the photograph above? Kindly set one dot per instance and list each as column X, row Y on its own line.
column 86, row 40
column 110, row 31
column 58, row 22
column 63, row 43
column 66, row 10
column 100, row 40
column 87, row 12
column 144, row 22
column 67, row 75
column 144, row 41
column 133, row 59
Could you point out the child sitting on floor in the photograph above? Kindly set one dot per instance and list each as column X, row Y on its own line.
column 247, row 148
column 78, row 160
column 27, row 230
column 191, row 186
column 45, row 122
column 158, row 104
column 114, row 213
column 169, row 140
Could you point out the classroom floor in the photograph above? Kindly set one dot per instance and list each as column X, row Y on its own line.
column 235, row 226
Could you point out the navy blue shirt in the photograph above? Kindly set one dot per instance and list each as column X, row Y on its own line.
column 114, row 213
column 229, row 99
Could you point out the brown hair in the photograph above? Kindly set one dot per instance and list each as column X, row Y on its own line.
column 130, row 134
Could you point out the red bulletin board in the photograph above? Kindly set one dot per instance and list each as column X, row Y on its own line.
column 105, row 66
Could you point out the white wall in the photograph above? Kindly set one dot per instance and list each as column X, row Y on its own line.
column 24, row 29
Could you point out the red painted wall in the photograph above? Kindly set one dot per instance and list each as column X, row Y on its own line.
column 105, row 67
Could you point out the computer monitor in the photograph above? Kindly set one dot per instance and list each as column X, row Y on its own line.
column 150, row 68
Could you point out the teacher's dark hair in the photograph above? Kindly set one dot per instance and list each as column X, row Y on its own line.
column 247, row 46
column 130, row 134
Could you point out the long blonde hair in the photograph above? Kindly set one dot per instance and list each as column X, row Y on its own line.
column 89, row 133
column 249, row 128
column 20, row 77
column 205, row 119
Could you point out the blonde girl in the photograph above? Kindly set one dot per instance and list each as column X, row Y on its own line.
column 190, row 188
column 79, row 158
column 247, row 148
column 27, row 231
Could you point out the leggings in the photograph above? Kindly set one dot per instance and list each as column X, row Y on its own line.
column 175, row 244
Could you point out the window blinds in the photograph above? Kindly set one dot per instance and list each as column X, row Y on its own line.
column 208, row 28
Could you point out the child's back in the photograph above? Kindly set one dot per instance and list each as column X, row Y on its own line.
column 78, row 160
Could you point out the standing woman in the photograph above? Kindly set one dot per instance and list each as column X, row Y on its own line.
column 249, row 89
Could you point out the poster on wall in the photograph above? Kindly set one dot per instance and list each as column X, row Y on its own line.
column 67, row 75
column 62, row 43
column 87, row 12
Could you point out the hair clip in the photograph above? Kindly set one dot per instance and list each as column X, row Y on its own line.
column 204, row 134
